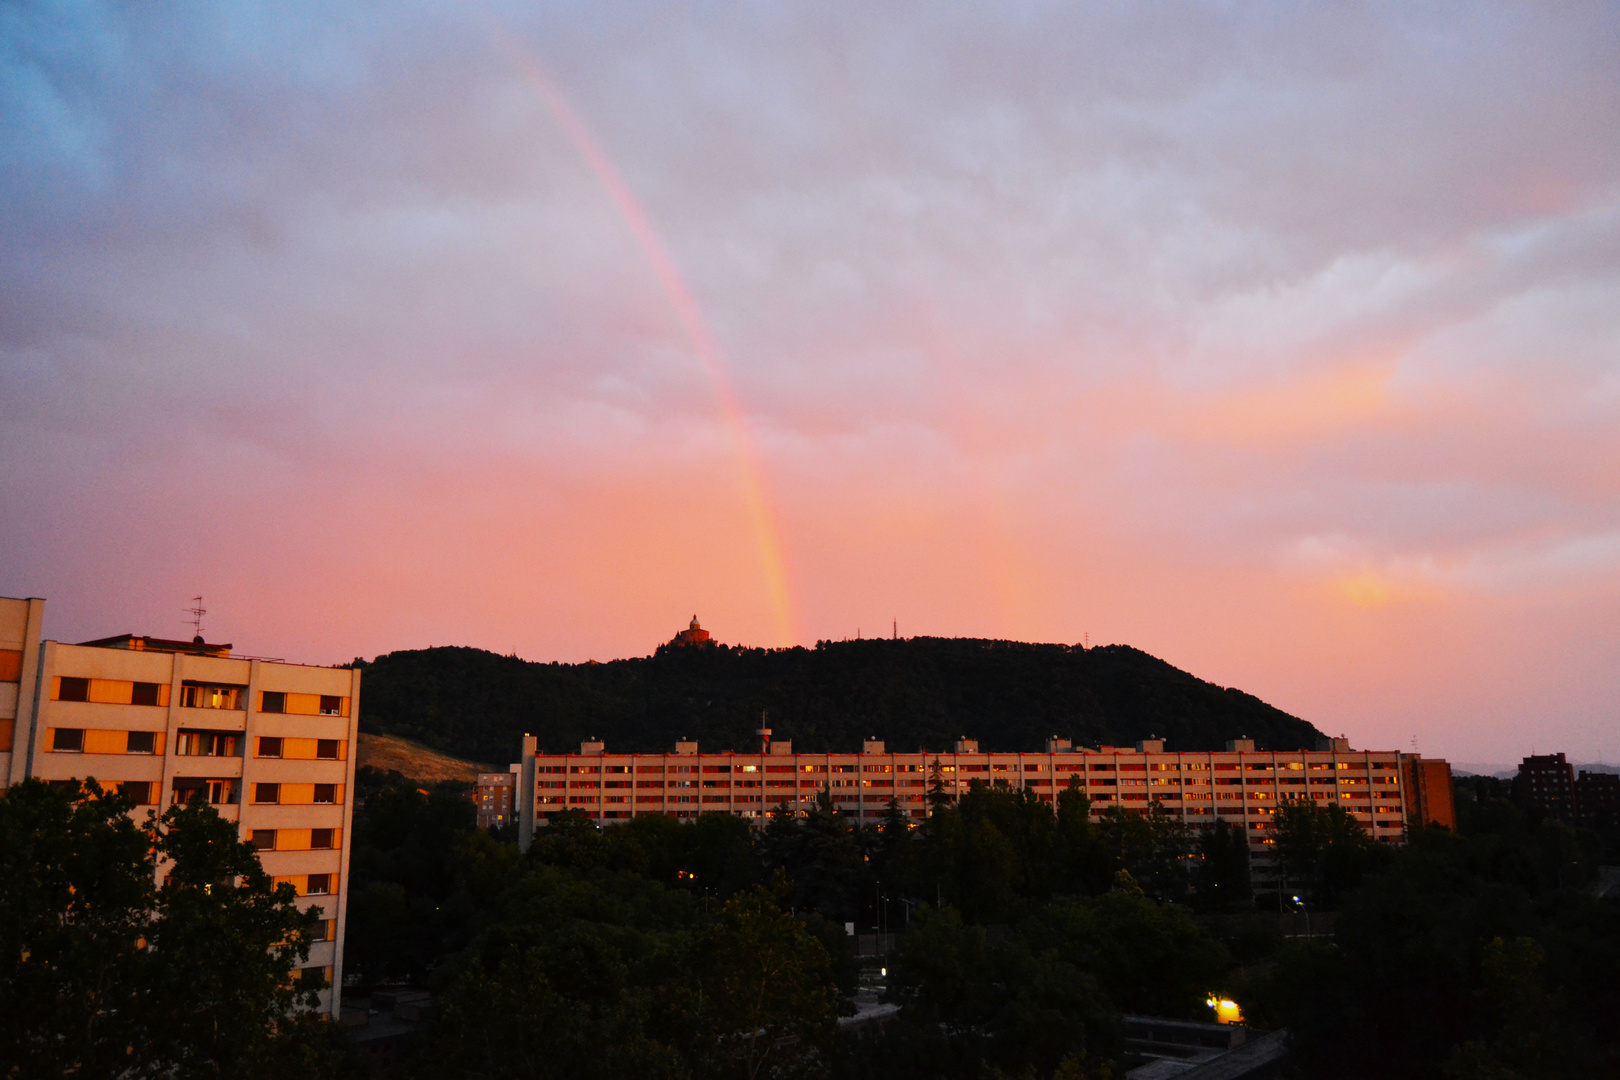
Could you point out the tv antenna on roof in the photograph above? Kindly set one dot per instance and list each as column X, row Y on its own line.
column 197, row 611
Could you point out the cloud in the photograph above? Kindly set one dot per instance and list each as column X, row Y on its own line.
column 1181, row 324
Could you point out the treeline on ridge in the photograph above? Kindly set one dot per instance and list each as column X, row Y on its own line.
column 915, row 693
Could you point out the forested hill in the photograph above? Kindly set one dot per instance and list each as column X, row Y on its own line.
column 917, row 693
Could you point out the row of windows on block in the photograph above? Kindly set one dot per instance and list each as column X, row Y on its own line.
column 948, row 771
column 680, row 790
column 193, row 743
column 228, row 791
column 311, row 884
column 218, row 792
column 838, row 783
column 194, row 695
column 295, row 839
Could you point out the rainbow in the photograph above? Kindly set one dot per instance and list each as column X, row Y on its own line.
column 750, row 475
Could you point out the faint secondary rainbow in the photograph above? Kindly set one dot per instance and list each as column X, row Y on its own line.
column 690, row 316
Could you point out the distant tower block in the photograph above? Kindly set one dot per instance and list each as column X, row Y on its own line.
column 693, row 635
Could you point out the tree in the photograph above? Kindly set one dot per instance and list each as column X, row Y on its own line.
column 1153, row 846
column 769, row 1001
column 938, row 796
column 108, row 973
column 1325, row 851
column 1222, row 880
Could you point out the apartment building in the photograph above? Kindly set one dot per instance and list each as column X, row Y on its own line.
column 1384, row 790
column 492, row 795
column 269, row 744
column 1547, row 781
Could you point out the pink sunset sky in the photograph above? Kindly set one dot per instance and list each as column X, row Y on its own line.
column 1279, row 341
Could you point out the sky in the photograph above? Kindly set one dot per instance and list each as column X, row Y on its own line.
column 1281, row 341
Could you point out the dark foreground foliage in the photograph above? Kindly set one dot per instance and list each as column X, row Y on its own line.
column 661, row 948
column 105, row 972
column 1479, row 954
column 918, row 692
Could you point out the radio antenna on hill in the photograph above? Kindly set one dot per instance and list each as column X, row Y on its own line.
column 196, row 611
column 896, row 636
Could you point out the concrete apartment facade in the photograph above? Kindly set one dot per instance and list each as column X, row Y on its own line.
column 492, row 794
column 269, row 744
column 1384, row 790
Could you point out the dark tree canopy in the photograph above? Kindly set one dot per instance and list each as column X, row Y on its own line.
column 106, row 971
column 915, row 693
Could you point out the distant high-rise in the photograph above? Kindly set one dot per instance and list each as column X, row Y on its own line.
column 1547, row 782
column 1597, row 798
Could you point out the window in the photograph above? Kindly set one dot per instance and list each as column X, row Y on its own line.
column 273, row 701
column 266, row 793
column 269, row 746
column 204, row 696
column 320, row 838
column 141, row 742
column 216, row 792
column 326, row 748
column 319, row 884
column 326, row 793
column 331, row 705
column 74, row 689
column 68, row 740
column 208, row 744
column 264, row 839
column 146, row 693
column 137, row 791
column 312, row 978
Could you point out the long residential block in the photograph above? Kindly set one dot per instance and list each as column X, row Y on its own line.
column 1385, row 790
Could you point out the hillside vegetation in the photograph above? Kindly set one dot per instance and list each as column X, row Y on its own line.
column 914, row 693
column 389, row 753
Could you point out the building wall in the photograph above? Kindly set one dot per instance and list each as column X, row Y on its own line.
column 21, row 623
column 238, row 779
column 1547, row 781
column 493, row 797
column 1243, row 786
column 1428, row 787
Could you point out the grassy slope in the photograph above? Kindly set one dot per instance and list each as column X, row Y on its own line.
column 389, row 753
